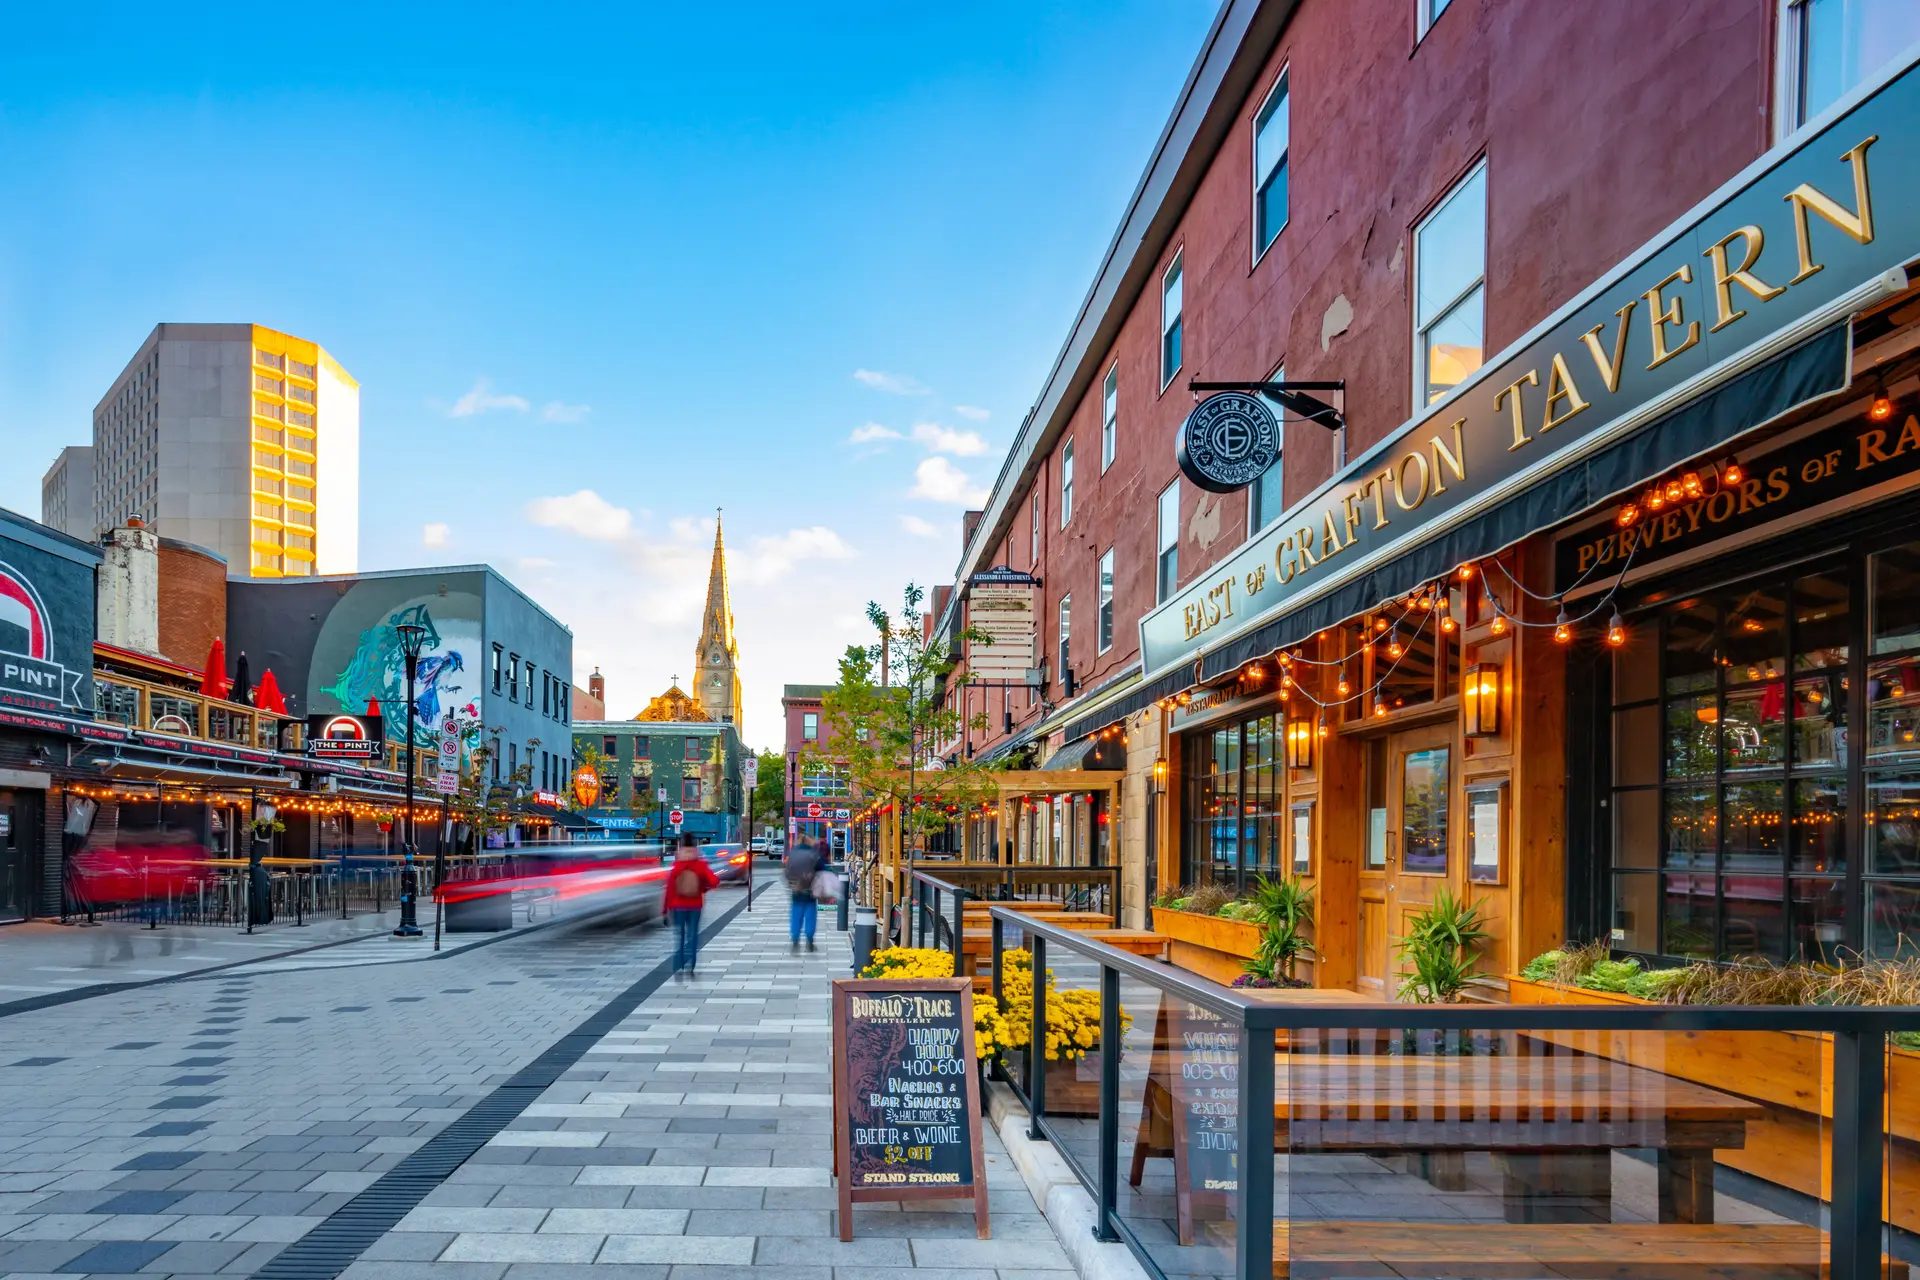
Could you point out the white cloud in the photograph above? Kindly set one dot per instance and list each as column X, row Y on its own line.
column 972, row 412
column 560, row 411
column 898, row 384
column 535, row 564
column 585, row 514
column 937, row 480
column 938, row 439
column 919, row 528
column 769, row 559
column 481, row 398
column 872, row 433
column 435, row 534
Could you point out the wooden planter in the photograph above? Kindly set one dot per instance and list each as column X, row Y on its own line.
column 1073, row 1087
column 1792, row 1071
column 1211, row 946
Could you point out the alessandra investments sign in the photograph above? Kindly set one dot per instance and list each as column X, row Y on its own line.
column 1797, row 233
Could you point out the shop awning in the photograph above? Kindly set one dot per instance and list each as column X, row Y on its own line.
column 1087, row 753
column 168, row 771
column 1817, row 367
column 574, row 821
column 1002, row 750
column 1138, row 698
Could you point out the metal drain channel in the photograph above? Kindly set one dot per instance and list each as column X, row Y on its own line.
column 343, row 1236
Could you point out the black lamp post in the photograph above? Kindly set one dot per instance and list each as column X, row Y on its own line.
column 412, row 637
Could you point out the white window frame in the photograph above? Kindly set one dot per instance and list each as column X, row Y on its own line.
column 1790, row 49
column 809, row 726
column 1279, row 89
column 1033, row 549
column 1109, row 417
column 1424, row 17
column 1477, row 171
column 1163, row 589
column 1175, row 268
column 1279, row 374
column 1064, row 617
column 1103, row 618
column 1066, row 482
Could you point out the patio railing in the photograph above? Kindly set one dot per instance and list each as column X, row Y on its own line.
column 1298, row 1133
column 937, row 901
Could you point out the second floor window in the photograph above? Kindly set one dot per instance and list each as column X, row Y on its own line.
column 1104, row 624
column 1109, row 417
column 1449, row 289
column 609, row 746
column 810, row 727
column 513, row 677
column 1263, row 495
column 1066, row 630
column 1830, row 47
column 1270, row 132
column 1033, row 551
column 529, row 684
column 1167, row 567
column 496, row 668
column 1066, row 484
column 1172, row 300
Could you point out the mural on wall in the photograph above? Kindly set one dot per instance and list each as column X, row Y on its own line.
column 46, row 632
column 357, row 656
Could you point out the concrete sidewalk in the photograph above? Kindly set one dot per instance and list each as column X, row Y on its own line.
column 692, row 1143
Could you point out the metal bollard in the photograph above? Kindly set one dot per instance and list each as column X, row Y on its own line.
column 865, row 927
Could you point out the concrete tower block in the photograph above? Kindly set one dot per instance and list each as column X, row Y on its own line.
column 129, row 590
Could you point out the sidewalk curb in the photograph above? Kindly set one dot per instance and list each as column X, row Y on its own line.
column 1065, row 1204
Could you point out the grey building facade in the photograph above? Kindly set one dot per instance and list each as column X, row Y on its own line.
column 66, row 493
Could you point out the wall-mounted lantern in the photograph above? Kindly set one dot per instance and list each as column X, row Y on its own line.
column 1480, row 700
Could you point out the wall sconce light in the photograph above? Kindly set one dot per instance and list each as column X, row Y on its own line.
column 1299, row 744
column 1480, row 700
column 1160, row 774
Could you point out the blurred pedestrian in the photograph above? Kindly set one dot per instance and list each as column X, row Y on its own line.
column 688, row 879
column 804, row 864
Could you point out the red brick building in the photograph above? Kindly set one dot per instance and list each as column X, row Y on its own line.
column 1402, row 196
column 818, row 796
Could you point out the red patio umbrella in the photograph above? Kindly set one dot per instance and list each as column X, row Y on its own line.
column 267, row 696
column 214, row 682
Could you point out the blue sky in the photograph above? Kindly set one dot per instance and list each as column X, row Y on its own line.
column 599, row 272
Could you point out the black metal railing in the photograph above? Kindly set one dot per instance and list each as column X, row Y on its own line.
column 1227, row 1132
column 938, row 898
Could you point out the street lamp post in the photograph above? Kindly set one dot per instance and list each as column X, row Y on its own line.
column 412, row 637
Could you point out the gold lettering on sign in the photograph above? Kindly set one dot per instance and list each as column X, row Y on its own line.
column 1560, row 389
column 1610, row 367
column 1806, row 198
column 1511, row 392
column 1662, row 312
column 1210, row 610
column 1399, row 481
column 1452, row 457
column 1724, row 280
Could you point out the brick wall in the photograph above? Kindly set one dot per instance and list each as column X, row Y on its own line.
column 193, row 602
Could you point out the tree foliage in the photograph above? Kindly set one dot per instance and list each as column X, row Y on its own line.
column 483, row 804
column 769, row 799
column 885, row 733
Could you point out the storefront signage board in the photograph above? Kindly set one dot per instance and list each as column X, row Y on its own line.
column 1753, row 270
column 344, row 737
column 46, row 626
column 906, row 1094
column 1195, row 1067
column 1000, row 605
column 1836, row 463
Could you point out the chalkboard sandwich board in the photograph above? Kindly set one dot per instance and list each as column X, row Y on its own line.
column 906, row 1094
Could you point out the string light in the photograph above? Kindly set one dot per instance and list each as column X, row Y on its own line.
column 1731, row 472
column 1465, row 572
column 1656, row 499
column 1616, row 630
column 1394, row 647
column 1628, row 515
column 1499, row 624
column 1562, row 627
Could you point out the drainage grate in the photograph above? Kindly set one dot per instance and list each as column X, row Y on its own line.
column 331, row 1247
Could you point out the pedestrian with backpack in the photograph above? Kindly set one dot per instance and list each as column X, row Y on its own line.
column 688, row 879
column 803, row 867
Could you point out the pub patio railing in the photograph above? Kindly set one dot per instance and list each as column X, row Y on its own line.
column 938, row 897
column 1223, row 1132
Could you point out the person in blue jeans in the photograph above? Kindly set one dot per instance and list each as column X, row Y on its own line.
column 803, row 864
column 688, row 879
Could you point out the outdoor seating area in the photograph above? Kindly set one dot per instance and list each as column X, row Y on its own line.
column 1460, row 1140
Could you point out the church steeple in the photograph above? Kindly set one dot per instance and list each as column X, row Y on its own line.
column 717, row 654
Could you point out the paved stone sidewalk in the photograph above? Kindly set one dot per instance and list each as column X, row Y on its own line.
column 196, row 1127
column 692, row 1143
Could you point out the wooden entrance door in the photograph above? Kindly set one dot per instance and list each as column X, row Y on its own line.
column 1410, row 837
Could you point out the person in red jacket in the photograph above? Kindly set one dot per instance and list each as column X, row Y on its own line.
column 688, row 879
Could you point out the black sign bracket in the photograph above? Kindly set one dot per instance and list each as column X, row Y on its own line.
column 1294, row 395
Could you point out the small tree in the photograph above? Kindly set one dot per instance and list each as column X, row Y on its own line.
column 484, row 805
column 770, row 792
column 883, row 732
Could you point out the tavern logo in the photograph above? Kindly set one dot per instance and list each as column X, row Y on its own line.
column 29, row 676
column 1227, row 442
column 344, row 737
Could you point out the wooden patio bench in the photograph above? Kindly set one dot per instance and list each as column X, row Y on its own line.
column 1576, row 1251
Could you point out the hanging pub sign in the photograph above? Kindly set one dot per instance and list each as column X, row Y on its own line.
column 1227, row 442
column 1722, row 322
column 586, row 787
column 1000, row 607
column 906, row 1094
column 1841, row 462
column 344, row 737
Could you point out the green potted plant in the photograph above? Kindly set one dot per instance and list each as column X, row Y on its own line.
column 1441, row 949
column 1212, row 933
column 1283, row 909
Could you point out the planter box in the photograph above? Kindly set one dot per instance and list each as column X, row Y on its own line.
column 1073, row 1087
column 1211, row 946
column 1790, row 1070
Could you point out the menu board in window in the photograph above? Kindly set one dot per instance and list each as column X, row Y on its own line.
column 906, row 1094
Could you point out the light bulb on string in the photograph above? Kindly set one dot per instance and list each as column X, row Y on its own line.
column 1616, row 630
column 1465, row 573
column 1731, row 472
column 1379, row 708
column 1562, row 627
column 1394, row 647
column 1656, row 499
column 1499, row 624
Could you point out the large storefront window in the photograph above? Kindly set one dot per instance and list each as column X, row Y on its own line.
column 1747, row 818
column 1234, row 803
